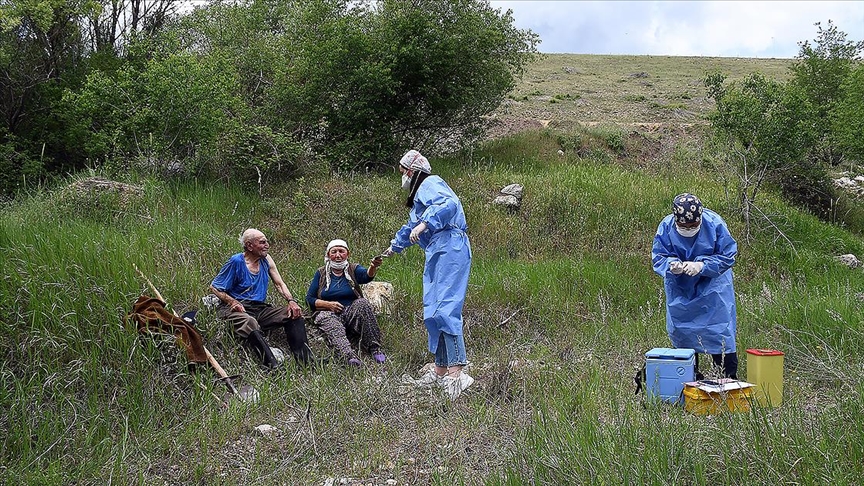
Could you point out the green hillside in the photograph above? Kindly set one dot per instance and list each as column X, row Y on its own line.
column 562, row 306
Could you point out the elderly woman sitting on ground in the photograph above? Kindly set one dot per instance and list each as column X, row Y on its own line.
column 340, row 310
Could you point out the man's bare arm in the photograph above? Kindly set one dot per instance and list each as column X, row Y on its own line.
column 282, row 288
column 233, row 303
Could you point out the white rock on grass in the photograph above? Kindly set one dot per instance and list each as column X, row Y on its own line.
column 510, row 197
column 849, row 260
column 508, row 201
column 278, row 355
column 378, row 294
column 513, row 190
column 266, row 430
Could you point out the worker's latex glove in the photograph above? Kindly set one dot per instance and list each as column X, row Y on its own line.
column 387, row 253
column 676, row 267
column 693, row 268
column 415, row 233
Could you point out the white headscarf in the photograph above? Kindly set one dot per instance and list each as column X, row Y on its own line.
column 333, row 243
column 413, row 160
column 328, row 265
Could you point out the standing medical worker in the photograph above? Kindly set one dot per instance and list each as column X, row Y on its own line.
column 694, row 253
column 436, row 222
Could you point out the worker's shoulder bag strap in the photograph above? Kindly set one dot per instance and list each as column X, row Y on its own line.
column 352, row 268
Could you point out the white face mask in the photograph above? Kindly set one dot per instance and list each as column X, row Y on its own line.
column 406, row 182
column 688, row 232
column 339, row 265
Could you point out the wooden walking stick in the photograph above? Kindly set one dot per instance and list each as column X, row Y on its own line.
column 244, row 393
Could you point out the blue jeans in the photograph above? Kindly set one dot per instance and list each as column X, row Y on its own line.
column 451, row 351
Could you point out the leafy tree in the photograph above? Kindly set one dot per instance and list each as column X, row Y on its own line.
column 789, row 134
column 822, row 69
column 359, row 82
column 848, row 116
column 47, row 48
column 40, row 46
column 768, row 130
column 417, row 85
column 820, row 72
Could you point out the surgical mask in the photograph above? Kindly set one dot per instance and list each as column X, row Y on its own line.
column 338, row 265
column 688, row 232
column 406, row 182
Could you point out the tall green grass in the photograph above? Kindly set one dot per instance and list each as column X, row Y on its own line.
column 562, row 306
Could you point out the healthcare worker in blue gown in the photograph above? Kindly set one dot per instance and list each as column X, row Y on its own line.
column 694, row 253
column 437, row 224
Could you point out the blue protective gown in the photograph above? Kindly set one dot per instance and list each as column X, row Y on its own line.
column 700, row 310
column 448, row 256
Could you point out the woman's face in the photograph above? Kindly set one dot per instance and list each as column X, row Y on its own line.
column 337, row 254
column 404, row 171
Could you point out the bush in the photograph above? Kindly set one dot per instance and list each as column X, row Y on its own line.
column 251, row 155
column 163, row 111
column 16, row 168
column 789, row 134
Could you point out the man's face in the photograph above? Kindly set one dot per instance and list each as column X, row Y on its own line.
column 258, row 245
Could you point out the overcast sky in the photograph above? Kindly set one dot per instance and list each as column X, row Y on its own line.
column 683, row 28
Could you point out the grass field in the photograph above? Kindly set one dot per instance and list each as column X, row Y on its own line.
column 637, row 90
column 562, row 305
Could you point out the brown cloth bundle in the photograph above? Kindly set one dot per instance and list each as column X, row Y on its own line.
column 151, row 316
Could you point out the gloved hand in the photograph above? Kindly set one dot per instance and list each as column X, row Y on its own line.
column 693, row 268
column 676, row 267
column 414, row 237
column 387, row 253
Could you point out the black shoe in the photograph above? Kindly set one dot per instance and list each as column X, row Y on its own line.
column 257, row 342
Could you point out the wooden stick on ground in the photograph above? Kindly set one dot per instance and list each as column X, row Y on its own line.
column 246, row 392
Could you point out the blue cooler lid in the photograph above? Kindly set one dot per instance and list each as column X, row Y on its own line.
column 670, row 353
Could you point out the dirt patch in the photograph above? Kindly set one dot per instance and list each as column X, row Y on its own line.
column 505, row 126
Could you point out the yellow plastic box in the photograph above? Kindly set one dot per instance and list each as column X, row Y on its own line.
column 731, row 396
column 765, row 370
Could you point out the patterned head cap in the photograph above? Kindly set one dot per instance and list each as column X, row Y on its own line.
column 413, row 160
column 687, row 208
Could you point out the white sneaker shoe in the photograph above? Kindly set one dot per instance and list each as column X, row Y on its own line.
column 428, row 380
column 454, row 387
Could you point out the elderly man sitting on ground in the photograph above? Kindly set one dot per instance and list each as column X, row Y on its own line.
column 241, row 286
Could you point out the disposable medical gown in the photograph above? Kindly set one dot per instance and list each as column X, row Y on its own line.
column 700, row 310
column 448, row 256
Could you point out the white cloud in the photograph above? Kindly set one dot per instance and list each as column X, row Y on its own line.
column 692, row 28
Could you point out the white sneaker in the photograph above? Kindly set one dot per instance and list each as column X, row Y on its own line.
column 454, row 387
column 428, row 380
